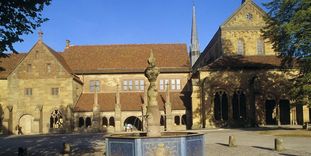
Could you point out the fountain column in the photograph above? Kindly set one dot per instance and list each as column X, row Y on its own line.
column 153, row 113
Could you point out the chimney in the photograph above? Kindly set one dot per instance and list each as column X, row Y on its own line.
column 67, row 43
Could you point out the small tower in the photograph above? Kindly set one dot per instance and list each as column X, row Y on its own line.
column 194, row 48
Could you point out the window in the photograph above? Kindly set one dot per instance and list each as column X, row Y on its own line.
column 142, row 85
column 48, row 67
column 94, row 84
column 163, row 84
column 133, row 85
column 29, row 68
column 130, row 85
column 260, row 47
column 174, row 84
column 177, row 120
column 240, row 50
column 28, row 91
column 55, row 91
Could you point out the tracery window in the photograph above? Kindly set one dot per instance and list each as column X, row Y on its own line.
column 239, row 105
column 56, row 119
column 221, row 105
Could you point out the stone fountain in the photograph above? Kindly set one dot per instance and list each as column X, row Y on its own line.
column 154, row 142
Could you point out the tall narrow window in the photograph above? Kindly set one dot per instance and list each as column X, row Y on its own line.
column 178, row 86
column 29, row 68
column 173, row 85
column 94, row 84
column 141, row 85
column 125, row 86
column 260, row 47
column 240, row 50
column 136, row 82
column 28, row 91
column 161, row 84
column 130, row 85
column 48, row 67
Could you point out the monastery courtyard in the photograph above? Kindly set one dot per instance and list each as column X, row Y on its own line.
column 249, row 142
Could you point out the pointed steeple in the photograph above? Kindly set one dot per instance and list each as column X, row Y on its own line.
column 194, row 48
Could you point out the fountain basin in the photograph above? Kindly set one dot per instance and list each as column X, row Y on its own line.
column 168, row 144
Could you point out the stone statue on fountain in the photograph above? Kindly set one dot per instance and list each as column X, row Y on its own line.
column 153, row 113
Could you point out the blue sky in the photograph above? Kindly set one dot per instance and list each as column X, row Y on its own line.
column 98, row 22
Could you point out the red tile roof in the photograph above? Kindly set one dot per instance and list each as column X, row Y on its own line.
column 244, row 62
column 125, row 58
column 129, row 101
column 8, row 62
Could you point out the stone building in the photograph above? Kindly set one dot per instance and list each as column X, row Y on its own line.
column 90, row 88
column 237, row 80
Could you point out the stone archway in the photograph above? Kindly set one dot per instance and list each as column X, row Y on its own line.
column 270, row 110
column 25, row 122
column 285, row 112
column 133, row 120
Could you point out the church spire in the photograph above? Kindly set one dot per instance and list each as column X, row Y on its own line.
column 194, row 48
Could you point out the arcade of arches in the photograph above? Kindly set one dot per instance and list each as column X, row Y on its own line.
column 244, row 100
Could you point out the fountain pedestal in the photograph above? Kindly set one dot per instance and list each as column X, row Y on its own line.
column 169, row 144
column 154, row 142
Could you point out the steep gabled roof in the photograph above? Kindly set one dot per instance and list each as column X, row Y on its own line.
column 124, row 58
column 8, row 63
column 240, row 8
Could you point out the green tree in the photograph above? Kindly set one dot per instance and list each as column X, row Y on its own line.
column 18, row 17
column 289, row 29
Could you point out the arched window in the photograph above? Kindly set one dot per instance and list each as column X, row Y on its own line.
column 162, row 120
column 239, row 105
column 260, row 47
column 221, row 105
column 88, row 122
column 184, row 119
column 177, row 120
column 105, row 121
column 111, row 121
column 240, row 50
column 56, row 119
column 81, row 121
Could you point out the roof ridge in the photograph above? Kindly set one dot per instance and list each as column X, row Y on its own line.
column 131, row 44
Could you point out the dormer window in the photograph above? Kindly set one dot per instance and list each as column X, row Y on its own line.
column 240, row 50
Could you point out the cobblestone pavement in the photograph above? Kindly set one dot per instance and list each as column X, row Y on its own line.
column 249, row 143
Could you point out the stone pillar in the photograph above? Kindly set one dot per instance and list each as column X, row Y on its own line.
column 260, row 110
column 10, row 120
column 37, row 119
column 168, row 110
column 144, row 108
column 230, row 110
column 69, row 118
column 117, row 111
column 196, row 104
column 153, row 119
column 96, row 112
column 277, row 105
